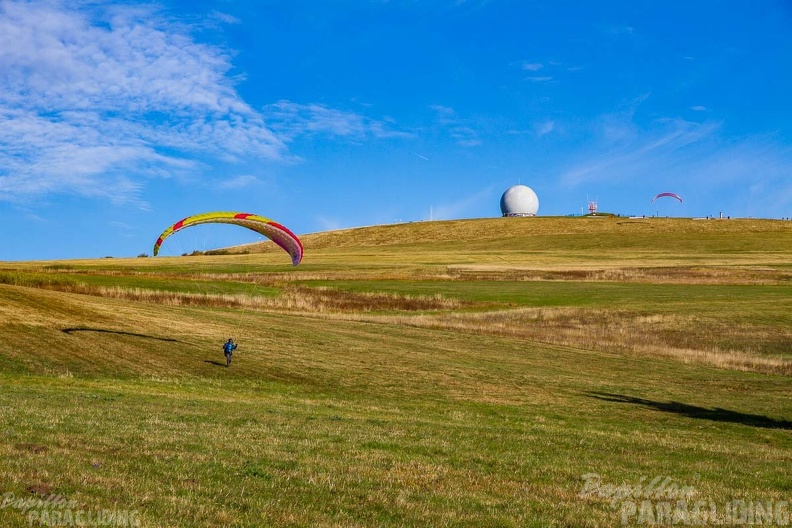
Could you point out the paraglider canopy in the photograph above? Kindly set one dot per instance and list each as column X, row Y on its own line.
column 669, row 194
column 279, row 234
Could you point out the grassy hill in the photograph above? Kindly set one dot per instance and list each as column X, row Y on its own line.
column 467, row 373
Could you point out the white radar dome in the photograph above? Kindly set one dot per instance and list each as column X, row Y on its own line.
column 519, row 200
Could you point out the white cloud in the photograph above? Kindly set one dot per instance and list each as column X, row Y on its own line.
column 749, row 173
column 90, row 101
column 443, row 112
column 330, row 224
column 456, row 127
column 465, row 136
column 624, row 152
column 30, row 217
column 93, row 101
column 620, row 30
column 539, row 79
column 698, row 108
column 544, row 128
column 238, row 182
column 225, row 18
column 462, row 206
column 292, row 119
column 532, row 66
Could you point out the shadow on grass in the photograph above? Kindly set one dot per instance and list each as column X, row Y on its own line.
column 117, row 332
column 717, row 414
column 213, row 362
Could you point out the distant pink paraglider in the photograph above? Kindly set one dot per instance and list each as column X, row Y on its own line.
column 670, row 195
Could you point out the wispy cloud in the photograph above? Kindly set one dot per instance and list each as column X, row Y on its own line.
column 552, row 70
column 698, row 108
column 443, row 112
column 91, row 101
column 291, row 120
column 750, row 176
column 624, row 152
column 330, row 224
column 544, row 128
column 462, row 206
column 238, row 182
column 751, row 173
column 620, row 30
column 96, row 100
column 532, row 66
column 456, row 127
column 225, row 18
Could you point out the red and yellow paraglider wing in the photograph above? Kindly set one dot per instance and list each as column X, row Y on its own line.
column 270, row 229
column 276, row 232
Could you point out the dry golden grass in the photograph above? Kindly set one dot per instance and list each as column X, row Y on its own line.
column 654, row 275
column 546, row 243
column 333, row 415
column 489, row 229
column 681, row 337
column 652, row 251
column 291, row 298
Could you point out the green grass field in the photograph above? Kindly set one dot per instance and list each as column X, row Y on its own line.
column 494, row 372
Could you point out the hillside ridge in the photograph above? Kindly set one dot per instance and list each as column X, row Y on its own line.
column 517, row 227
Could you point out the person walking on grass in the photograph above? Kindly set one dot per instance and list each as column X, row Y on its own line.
column 228, row 349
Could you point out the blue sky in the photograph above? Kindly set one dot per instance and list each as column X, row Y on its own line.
column 120, row 118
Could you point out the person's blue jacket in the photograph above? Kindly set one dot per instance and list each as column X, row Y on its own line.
column 229, row 347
